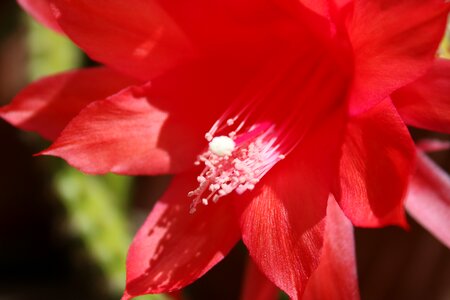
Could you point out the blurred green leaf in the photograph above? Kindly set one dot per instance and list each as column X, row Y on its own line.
column 95, row 207
column 49, row 52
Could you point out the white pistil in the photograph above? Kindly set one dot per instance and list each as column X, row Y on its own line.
column 222, row 146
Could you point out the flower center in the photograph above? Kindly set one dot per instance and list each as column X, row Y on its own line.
column 266, row 122
column 235, row 161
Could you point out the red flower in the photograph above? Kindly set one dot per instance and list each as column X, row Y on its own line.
column 298, row 99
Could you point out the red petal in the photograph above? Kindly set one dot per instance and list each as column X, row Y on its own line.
column 173, row 247
column 428, row 199
column 283, row 226
column 127, row 134
column 326, row 8
column 135, row 36
column 321, row 7
column 326, row 18
column 150, row 130
column 47, row 105
column 41, row 11
column 144, row 38
column 376, row 164
column 336, row 277
column 394, row 43
column 257, row 286
column 425, row 102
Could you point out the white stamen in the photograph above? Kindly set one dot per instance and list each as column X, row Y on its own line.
column 235, row 164
column 230, row 122
column 208, row 136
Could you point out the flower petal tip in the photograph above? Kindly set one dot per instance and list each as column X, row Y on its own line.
column 126, row 296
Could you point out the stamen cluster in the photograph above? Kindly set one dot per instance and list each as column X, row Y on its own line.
column 238, row 170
